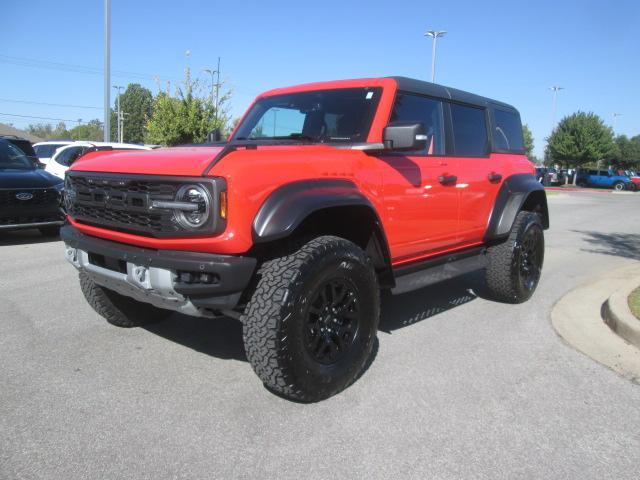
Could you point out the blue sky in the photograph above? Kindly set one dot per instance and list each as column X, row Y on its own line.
column 508, row 50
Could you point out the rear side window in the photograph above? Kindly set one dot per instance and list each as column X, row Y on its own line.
column 507, row 134
column 67, row 156
column 469, row 131
column 413, row 108
column 47, row 150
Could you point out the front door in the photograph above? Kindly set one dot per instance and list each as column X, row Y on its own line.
column 420, row 195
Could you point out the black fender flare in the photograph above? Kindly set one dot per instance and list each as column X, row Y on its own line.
column 517, row 192
column 287, row 206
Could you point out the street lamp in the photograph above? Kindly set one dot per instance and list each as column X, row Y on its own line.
column 107, row 69
column 555, row 90
column 435, row 34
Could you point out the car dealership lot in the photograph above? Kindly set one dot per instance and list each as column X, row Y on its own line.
column 461, row 386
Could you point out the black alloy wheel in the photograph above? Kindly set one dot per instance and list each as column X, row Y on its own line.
column 530, row 258
column 332, row 320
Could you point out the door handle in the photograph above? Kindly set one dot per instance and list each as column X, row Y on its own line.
column 447, row 179
column 494, row 177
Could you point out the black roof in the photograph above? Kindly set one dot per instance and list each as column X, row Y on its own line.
column 440, row 91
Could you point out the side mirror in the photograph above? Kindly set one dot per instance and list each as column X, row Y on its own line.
column 215, row 135
column 400, row 136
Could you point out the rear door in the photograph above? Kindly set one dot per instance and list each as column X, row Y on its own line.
column 479, row 175
column 420, row 195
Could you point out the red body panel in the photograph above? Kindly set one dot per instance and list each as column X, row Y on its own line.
column 420, row 216
column 179, row 161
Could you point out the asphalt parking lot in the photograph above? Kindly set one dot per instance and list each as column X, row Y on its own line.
column 461, row 387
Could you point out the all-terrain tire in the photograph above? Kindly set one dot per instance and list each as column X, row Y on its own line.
column 507, row 277
column 117, row 309
column 279, row 319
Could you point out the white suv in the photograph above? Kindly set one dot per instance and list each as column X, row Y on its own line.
column 66, row 155
column 46, row 150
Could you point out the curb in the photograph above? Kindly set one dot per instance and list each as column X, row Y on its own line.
column 577, row 318
column 617, row 314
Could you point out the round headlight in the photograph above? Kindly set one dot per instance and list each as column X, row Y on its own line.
column 196, row 216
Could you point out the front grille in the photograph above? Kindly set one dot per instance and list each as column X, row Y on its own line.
column 124, row 202
column 40, row 197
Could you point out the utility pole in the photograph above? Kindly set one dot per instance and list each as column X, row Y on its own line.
column 215, row 87
column 555, row 90
column 107, row 70
column 217, row 91
column 615, row 120
column 118, row 114
column 212, row 73
column 435, row 34
column 122, row 117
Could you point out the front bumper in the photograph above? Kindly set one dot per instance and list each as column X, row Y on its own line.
column 197, row 284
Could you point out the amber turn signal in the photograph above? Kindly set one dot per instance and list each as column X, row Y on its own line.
column 223, row 204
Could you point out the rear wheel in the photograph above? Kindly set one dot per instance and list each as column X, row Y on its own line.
column 619, row 186
column 515, row 266
column 310, row 325
column 117, row 309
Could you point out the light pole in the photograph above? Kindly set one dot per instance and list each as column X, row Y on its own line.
column 107, row 70
column 555, row 90
column 435, row 34
column 217, row 88
column 118, row 115
column 615, row 120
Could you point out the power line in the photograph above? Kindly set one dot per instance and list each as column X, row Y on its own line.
column 68, row 67
column 39, row 118
column 48, row 104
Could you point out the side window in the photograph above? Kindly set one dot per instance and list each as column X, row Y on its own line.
column 67, row 156
column 507, row 134
column 413, row 108
column 469, row 131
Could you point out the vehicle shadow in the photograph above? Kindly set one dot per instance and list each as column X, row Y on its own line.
column 399, row 311
column 24, row 237
column 222, row 337
column 217, row 337
column 626, row 245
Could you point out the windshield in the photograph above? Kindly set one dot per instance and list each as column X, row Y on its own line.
column 12, row 158
column 342, row 115
column 47, row 150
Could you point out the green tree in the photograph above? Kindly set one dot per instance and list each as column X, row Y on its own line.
column 627, row 154
column 136, row 102
column 579, row 139
column 91, row 130
column 47, row 131
column 185, row 118
column 528, row 141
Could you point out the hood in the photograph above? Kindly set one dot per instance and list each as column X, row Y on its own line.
column 178, row 161
column 27, row 179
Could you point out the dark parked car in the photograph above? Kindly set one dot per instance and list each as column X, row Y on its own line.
column 29, row 196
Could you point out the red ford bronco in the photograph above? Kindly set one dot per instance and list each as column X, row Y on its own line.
column 324, row 194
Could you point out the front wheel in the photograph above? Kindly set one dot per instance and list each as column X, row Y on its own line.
column 619, row 186
column 515, row 266
column 311, row 323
